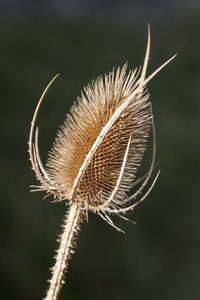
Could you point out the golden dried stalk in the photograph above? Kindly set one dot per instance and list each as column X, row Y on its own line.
column 96, row 154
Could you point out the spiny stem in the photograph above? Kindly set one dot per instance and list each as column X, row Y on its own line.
column 71, row 226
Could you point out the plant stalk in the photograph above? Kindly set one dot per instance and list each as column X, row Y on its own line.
column 67, row 238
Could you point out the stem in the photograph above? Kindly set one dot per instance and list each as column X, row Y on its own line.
column 71, row 226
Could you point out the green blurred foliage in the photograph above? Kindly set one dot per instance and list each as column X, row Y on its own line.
column 157, row 259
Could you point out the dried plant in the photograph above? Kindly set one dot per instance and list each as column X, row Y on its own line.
column 96, row 154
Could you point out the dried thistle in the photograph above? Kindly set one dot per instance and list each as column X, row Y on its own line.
column 96, row 154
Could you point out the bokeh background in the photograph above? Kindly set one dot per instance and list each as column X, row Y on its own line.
column 159, row 258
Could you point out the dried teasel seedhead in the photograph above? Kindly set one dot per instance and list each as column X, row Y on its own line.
column 99, row 148
column 88, row 116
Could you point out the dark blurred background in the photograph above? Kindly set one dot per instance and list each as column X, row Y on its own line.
column 159, row 258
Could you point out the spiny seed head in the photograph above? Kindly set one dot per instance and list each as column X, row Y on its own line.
column 88, row 116
column 99, row 148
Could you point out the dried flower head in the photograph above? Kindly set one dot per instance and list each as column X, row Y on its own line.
column 97, row 152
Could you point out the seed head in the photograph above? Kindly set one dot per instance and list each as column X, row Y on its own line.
column 98, row 149
column 88, row 116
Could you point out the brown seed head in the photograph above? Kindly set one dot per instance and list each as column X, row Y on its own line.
column 83, row 125
column 99, row 148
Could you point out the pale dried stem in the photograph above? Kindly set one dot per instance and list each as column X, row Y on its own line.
column 71, row 226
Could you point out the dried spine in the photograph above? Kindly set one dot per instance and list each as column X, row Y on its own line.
column 96, row 154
